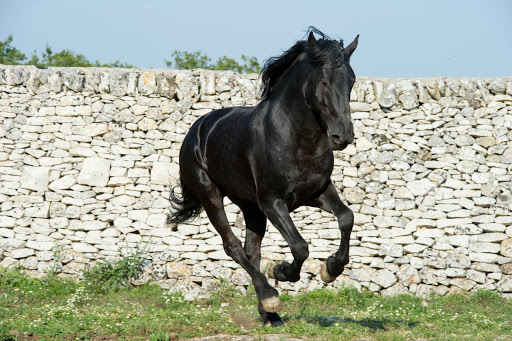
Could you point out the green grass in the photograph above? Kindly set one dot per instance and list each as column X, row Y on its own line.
column 57, row 309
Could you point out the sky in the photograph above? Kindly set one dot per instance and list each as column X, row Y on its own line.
column 398, row 38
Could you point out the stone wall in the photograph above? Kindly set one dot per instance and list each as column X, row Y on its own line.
column 87, row 158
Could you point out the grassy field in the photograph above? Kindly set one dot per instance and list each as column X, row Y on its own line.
column 56, row 309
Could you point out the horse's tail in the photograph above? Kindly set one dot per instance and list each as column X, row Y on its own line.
column 185, row 205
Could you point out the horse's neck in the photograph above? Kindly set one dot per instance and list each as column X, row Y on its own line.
column 289, row 111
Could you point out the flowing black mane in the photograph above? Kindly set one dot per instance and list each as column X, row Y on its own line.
column 329, row 52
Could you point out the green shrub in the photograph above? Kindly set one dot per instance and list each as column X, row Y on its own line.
column 109, row 276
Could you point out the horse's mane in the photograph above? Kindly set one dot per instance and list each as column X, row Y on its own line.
column 329, row 52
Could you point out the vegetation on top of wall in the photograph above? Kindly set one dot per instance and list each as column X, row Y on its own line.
column 10, row 55
column 195, row 60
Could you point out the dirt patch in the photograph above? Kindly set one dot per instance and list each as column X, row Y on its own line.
column 244, row 319
column 22, row 336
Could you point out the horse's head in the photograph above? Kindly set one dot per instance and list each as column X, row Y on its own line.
column 328, row 88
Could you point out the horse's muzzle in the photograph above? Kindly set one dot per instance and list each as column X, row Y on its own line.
column 339, row 143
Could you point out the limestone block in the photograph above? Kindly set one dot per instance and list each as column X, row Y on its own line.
column 362, row 144
column 458, row 240
column 22, row 253
column 506, row 247
column 361, row 275
column 139, row 215
column 424, row 290
column 429, row 233
column 38, row 210
column 354, row 195
column 79, row 225
column 414, row 248
column 188, row 229
column 35, row 178
column 393, row 250
column 138, row 172
column 147, row 124
column 468, row 167
column 455, row 272
column 65, row 182
column 95, row 129
column 358, row 106
column 476, row 276
column 95, row 172
column 465, row 284
column 483, row 257
column 505, row 284
column 6, row 232
column 7, row 222
column 93, row 237
column 443, row 223
column 388, row 97
column 84, row 248
column 40, row 246
column 147, row 83
column 485, row 247
column 123, row 200
column 420, row 187
column 491, row 237
column 157, row 220
column 164, row 173
column 486, row 267
column 384, row 278
column 506, row 269
column 408, row 275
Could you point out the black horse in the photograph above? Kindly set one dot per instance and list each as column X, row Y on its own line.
column 273, row 158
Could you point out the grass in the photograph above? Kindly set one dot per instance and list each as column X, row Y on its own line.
column 57, row 309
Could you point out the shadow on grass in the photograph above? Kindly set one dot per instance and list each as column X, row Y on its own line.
column 336, row 321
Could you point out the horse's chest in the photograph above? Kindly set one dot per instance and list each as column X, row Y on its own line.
column 305, row 182
column 308, row 180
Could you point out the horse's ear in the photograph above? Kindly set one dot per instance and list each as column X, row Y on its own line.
column 351, row 47
column 312, row 41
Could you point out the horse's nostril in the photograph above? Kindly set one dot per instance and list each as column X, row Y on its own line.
column 335, row 139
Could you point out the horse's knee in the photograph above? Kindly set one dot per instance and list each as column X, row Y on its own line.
column 346, row 220
column 300, row 251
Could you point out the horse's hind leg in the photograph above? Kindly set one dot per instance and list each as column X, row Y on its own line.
column 256, row 222
column 211, row 198
column 330, row 202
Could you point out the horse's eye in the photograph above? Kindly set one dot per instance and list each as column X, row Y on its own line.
column 324, row 83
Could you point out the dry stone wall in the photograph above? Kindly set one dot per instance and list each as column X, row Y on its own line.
column 88, row 157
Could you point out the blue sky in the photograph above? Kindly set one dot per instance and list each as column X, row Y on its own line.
column 397, row 38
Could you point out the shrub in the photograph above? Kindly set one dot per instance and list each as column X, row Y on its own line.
column 114, row 275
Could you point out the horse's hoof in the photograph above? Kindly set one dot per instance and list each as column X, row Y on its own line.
column 324, row 274
column 273, row 320
column 272, row 304
column 275, row 323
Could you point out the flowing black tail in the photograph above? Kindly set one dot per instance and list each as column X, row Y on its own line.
column 185, row 206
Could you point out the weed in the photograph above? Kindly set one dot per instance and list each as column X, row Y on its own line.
column 107, row 276
column 225, row 292
column 160, row 336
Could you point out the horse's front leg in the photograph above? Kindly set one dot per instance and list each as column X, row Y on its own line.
column 329, row 201
column 278, row 214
